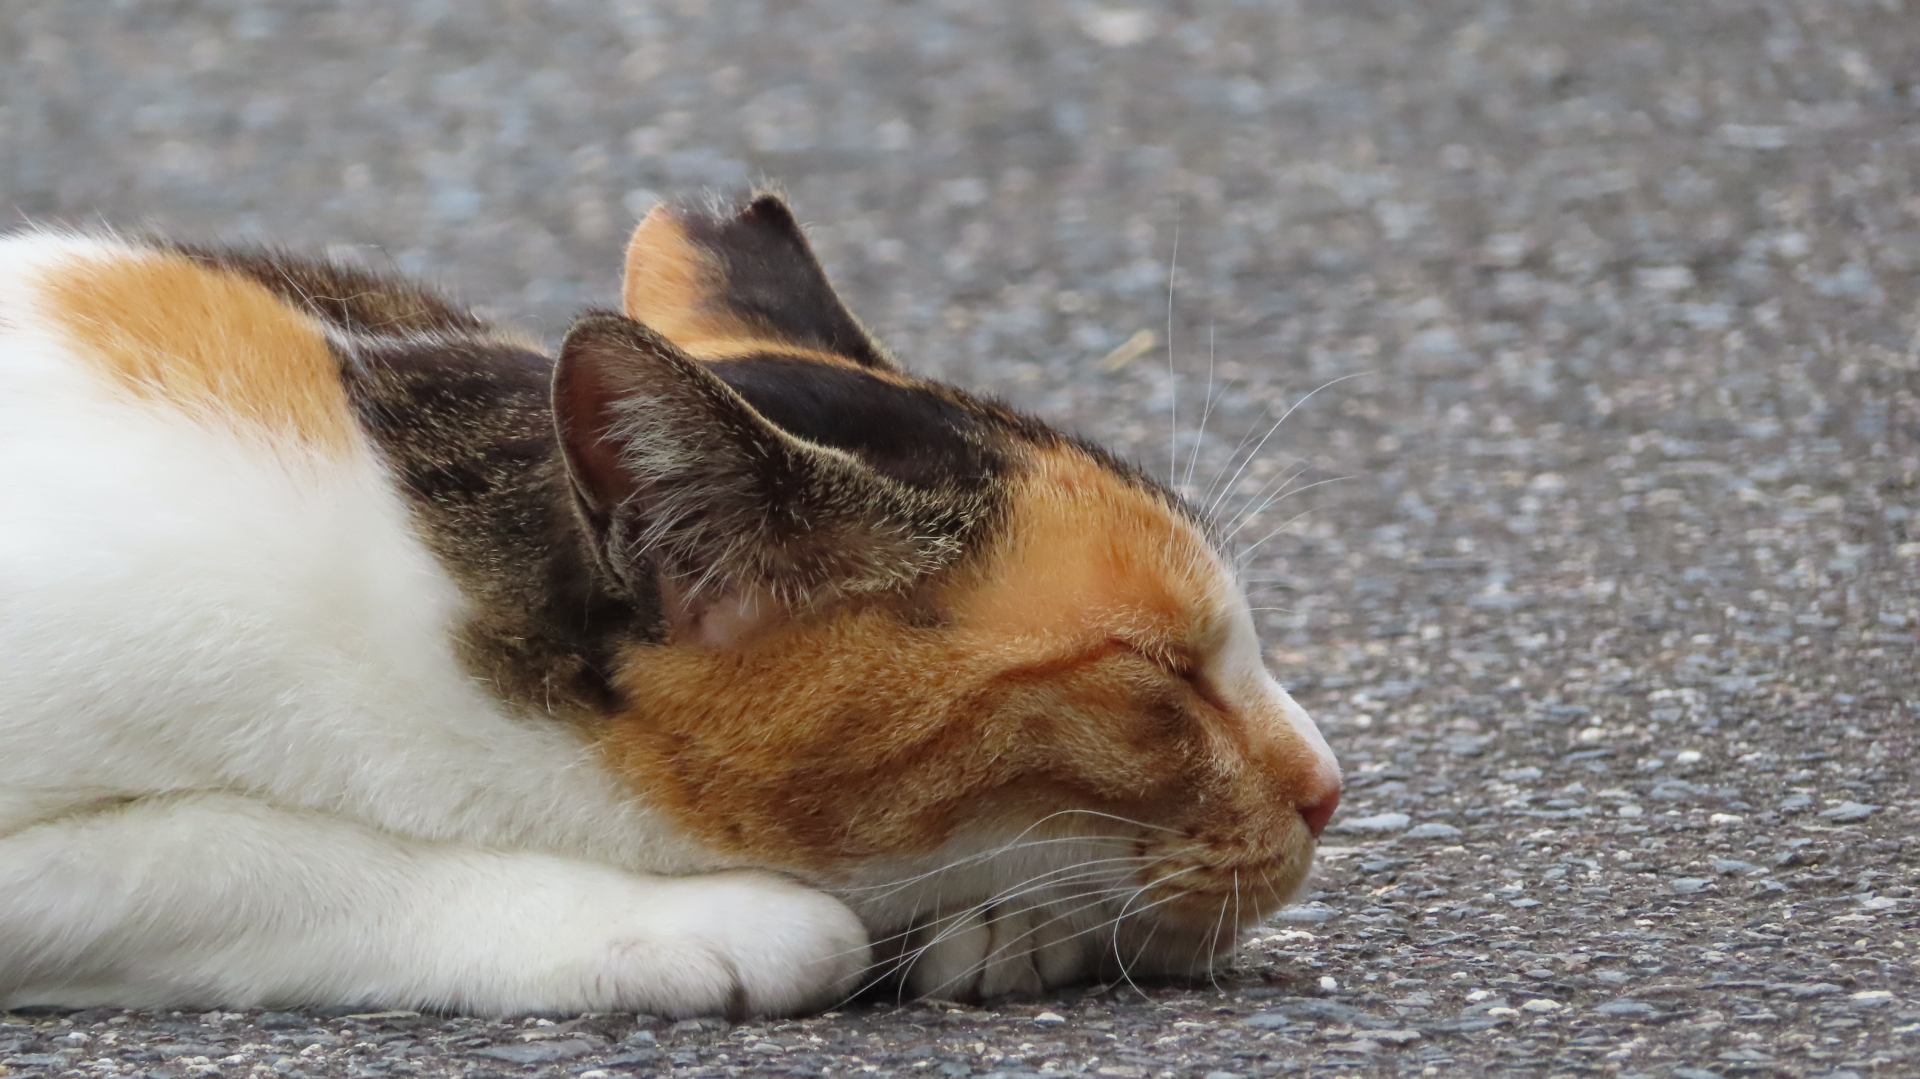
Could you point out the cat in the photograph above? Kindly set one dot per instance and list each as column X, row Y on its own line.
column 354, row 651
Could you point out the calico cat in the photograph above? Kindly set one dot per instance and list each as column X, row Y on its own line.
column 353, row 651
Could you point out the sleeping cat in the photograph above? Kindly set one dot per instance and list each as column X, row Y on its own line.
column 354, row 651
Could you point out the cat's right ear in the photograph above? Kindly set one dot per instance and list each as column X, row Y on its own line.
column 682, row 485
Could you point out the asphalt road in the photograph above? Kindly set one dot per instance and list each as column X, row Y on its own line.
column 1611, row 612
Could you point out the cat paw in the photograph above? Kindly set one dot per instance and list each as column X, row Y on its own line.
column 738, row 944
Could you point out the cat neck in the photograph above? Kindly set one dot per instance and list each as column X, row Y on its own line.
column 460, row 412
column 465, row 425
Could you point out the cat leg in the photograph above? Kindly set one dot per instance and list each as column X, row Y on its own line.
column 207, row 899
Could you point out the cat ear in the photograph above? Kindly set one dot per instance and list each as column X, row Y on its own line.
column 741, row 524
column 728, row 285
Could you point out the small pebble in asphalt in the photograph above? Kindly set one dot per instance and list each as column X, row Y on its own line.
column 1306, row 914
column 1625, row 1007
column 1379, row 822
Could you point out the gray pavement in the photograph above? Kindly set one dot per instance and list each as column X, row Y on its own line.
column 1611, row 612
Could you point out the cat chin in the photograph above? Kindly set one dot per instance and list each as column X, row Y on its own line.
column 992, row 953
column 1025, row 915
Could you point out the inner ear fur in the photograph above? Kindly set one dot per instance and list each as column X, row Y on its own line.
column 722, row 285
column 683, row 485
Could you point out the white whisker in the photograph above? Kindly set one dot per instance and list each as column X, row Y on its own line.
column 1282, row 481
column 1248, row 553
column 892, row 886
column 1206, row 411
column 1126, row 969
column 1251, row 454
column 1283, row 494
column 1173, row 376
column 1214, row 484
column 1016, row 843
column 953, row 922
column 1209, row 941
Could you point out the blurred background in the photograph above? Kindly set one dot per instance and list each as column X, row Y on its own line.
column 1570, row 253
column 1550, row 195
column 1608, row 574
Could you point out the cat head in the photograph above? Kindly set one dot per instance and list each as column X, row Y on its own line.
column 918, row 648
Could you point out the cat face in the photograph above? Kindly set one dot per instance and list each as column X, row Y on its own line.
column 978, row 678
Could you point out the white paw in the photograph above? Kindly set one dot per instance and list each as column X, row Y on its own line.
column 738, row 944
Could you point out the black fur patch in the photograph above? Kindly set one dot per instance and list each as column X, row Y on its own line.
column 774, row 281
column 920, row 434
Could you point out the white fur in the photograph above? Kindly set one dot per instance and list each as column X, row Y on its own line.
column 1244, row 680
column 240, row 764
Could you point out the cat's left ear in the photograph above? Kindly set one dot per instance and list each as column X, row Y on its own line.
column 741, row 525
column 726, row 285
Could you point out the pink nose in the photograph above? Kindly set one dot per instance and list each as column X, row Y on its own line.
column 1317, row 814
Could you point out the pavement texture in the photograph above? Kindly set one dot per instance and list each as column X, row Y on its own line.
column 1611, row 612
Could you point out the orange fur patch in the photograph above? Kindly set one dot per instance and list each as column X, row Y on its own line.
column 206, row 341
column 675, row 288
column 862, row 736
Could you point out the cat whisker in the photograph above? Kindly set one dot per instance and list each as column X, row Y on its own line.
column 1253, row 453
column 1095, row 900
column 1248, row 553
column 1242, row 557
column 1282, row 494
column 1050, row 879
column 1206, row 411
column 1016, row 843
column 1209, row 941
column 1233, row 957
column 956, row 920
column 890, row 887
column 1103, row 896
column 1120, row 961
column 1126, row 968
column 1283, row 481
column 1173, row 376
column 903, row 962
column 1117, row 818
column 1233, row 455
column 1040, row 881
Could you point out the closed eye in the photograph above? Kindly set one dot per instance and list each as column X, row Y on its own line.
column 1176, row 662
